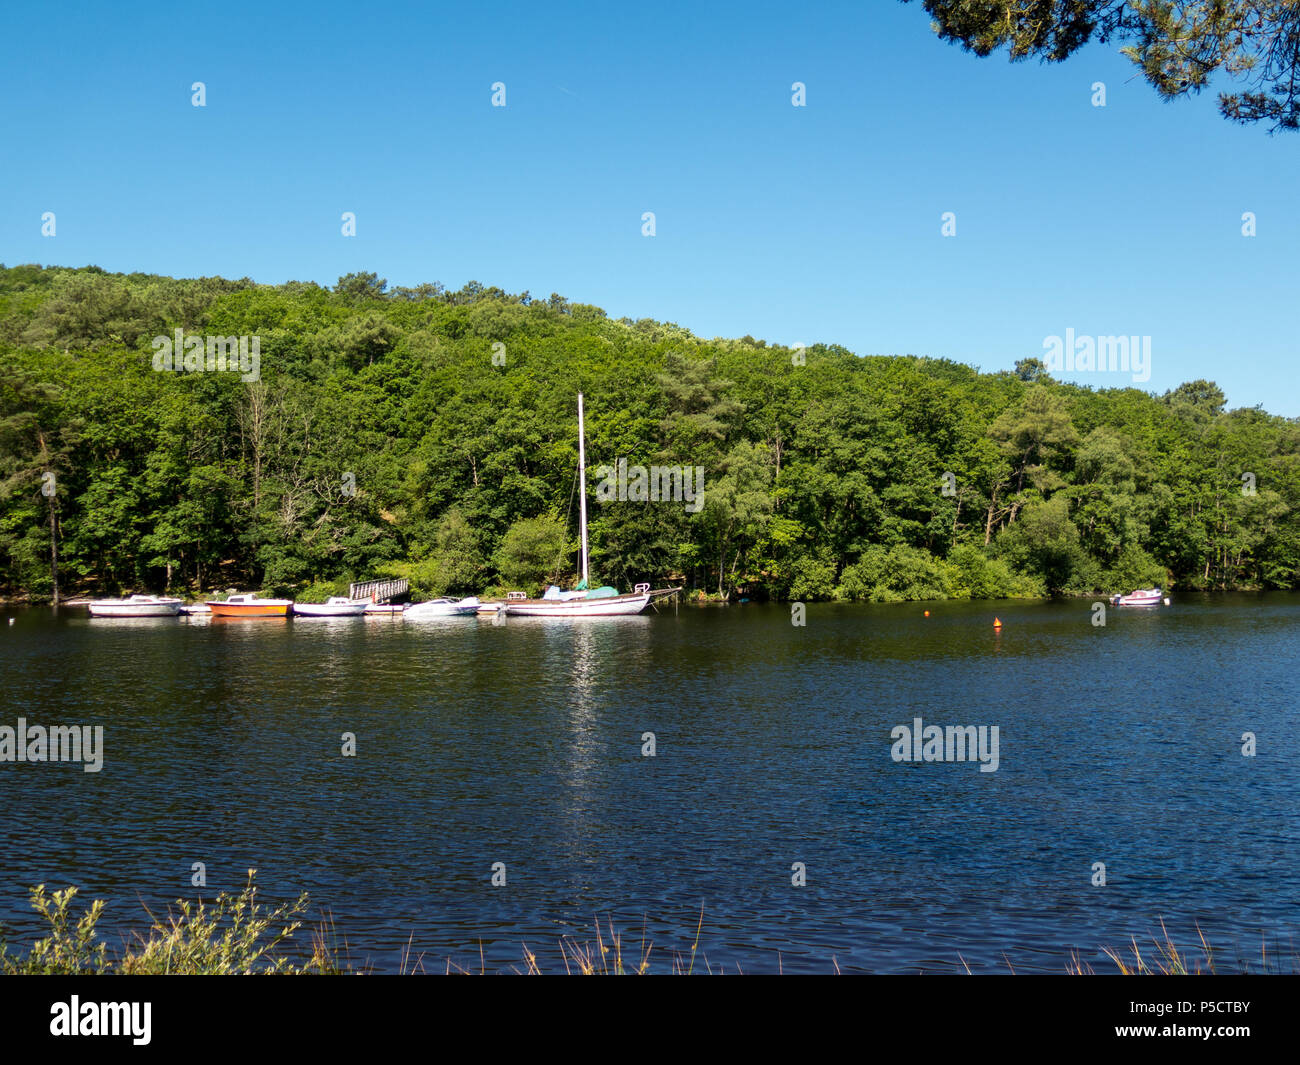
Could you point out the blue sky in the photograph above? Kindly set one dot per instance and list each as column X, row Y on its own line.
column 820, row 223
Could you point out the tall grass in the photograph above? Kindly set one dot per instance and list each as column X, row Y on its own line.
column 1164, row 957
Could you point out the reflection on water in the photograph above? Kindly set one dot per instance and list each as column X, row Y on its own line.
column 521, row 743
column 139, row 623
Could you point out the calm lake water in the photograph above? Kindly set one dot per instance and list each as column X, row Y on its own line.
column 521, row 743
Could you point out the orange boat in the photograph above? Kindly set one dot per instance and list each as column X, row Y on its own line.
column 248, row 605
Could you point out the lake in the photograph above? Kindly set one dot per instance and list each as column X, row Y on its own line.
column 522, row 744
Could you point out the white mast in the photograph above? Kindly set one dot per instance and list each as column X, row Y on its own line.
column 582, row 488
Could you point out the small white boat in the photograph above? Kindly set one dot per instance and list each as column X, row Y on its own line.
column 337, row 606
column 137, row 606
column 492, row 607
column 385, row 610
column 1141, row 597
column 195, row 609
column 442, row 608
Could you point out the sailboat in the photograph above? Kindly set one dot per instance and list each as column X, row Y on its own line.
column 582, row 603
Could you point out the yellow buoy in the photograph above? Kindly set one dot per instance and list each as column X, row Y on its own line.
column 927, row 613
column 997, row 624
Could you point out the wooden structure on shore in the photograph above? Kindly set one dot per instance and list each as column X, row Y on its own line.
column 380, row 591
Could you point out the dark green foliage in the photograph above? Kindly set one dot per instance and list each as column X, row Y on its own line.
column 384, row 438
column 531, row 551
column 1178, row 47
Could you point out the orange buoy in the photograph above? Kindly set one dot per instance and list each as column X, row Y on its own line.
column 927, row 613
column 997, row 624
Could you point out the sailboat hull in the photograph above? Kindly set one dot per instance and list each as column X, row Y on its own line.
column 610, row 606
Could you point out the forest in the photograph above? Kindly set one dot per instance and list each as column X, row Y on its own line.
column 432, row 434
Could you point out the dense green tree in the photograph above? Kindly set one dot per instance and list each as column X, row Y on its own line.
column 531, row 551
column 360, row 286
column 1031, row 370
column 36, row 448
column 1044, row 543
column 457, row 554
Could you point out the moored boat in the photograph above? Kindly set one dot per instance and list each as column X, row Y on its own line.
column 487, row 607
column 249, row 605
column 442, row 608
column 135, row 606
column 1140, row 597
column 337, row 606
column 599, row 602
column 583, row 602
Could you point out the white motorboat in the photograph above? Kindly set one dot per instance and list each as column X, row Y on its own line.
column 136, row 606
column 1140, row 597
column 385, row 610
column 336, row 606
column 442, row 608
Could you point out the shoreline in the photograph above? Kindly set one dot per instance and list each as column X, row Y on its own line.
column 692, row 599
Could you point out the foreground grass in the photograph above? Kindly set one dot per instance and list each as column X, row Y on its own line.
column 1164, row 957
column 233, row 935
column 236, row 935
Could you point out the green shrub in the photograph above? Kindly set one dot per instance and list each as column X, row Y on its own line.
column 320, row 591
column 894, row 575
column 812, row 579
column 1134, row 569
column 974, row 575
column 70, row 949
column 232, row 935
column 532, row 549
